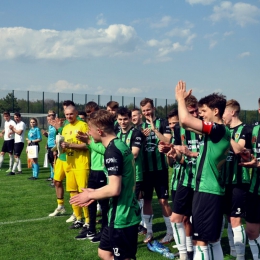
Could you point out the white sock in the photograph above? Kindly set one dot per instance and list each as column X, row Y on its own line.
column 148, row 221
column 141, row 204
column 215, row 251
column 19, row 166
column 168, row 225
column 15, row 164
column 179, row 237
column 1, row 160
column 189, row 244
column 240, row 241
column 200, row 253
column 254, row 246
column 231, row 240
column 11, row 158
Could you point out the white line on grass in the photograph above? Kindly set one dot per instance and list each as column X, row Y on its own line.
column 25, row 220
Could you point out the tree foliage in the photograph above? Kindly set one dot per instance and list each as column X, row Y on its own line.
column 9, row 103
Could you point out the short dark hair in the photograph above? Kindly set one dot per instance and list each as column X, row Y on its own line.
column 17, row 114
column 113, row 104
column 68, row 103
column 136, row 109
column 146, row 101
column 6, row 113
column 215, row 100
column 172, row 113
column 91, row 106
column 103, row 120
column 82, row 113
column 124, row 111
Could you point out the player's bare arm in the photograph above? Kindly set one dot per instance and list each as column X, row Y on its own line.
column 254, row 163
column 66, row 145
column 186, row 120
column 111, row 190
column 162, row 137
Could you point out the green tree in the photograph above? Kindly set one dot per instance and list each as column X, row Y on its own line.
column 9, row 103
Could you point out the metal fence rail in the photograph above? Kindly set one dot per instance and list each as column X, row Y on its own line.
column 41, row 102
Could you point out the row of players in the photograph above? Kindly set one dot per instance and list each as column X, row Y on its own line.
column 199, row 179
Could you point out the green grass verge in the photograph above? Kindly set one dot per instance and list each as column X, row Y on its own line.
column 27, row 232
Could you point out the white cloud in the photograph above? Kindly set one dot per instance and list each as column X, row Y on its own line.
column 65, row 86
column 228, row 33
column 241, row 13
column 19, row 42
column 100, row 91
column 244, row 54
column 100, row 19
column 212, row 41
column 164, row 22
column 203, row 2
column 166, row 46
column 156, row 43
column 129, row 91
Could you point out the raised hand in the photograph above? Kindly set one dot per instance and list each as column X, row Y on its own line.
column 180, row 90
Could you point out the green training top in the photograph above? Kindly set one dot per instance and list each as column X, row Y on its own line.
column 133, row 138
column 214, row 149
column 235, row 173
column 124, row 209
column 255, row 179
column 97, row 151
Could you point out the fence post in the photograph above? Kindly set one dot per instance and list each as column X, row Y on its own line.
column 28, row 109
column 43, row 108
column 122, row 100
column 13, row 101
column 58, row 99
column 166, row 108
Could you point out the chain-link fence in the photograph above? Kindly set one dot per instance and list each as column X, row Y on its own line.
column 41, row 102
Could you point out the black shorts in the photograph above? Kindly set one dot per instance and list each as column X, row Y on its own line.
column 173, row 192
column 138, row 188
column 8, row 146
column 158, row 180
column 253, row 208
column 96, row 179
column 18, row 148
column 182, row 203
column 121, row 242
column 207, row 216
column 235, row 200
column 50, row 156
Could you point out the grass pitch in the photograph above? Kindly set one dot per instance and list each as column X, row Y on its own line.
column 28, row 233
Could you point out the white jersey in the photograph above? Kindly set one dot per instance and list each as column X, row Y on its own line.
column 20, row 138
column 8, row 130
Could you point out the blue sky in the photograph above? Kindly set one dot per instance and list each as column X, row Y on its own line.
column 132, row 48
